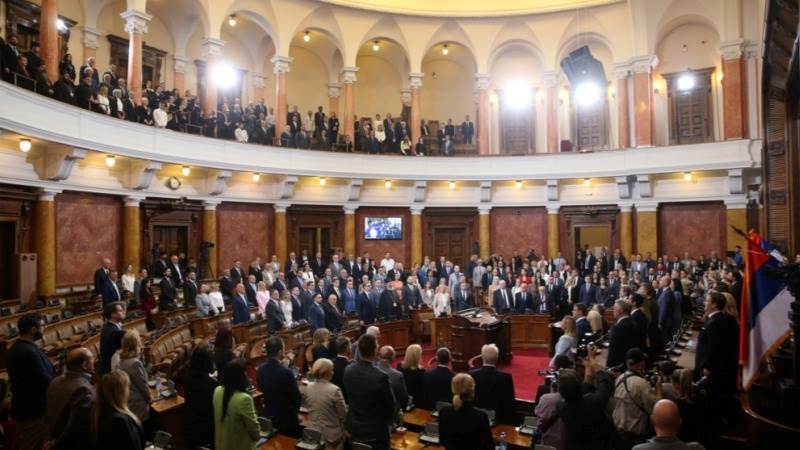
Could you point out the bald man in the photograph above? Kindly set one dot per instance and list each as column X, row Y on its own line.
column 666, row 420
column 69, row 402
column 101, row 276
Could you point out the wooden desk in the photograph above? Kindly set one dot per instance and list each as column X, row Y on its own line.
column 475, row 327
column 409, row 440
column 418, row 319
column 442, row 332
column 204, row 326
column 396, row 333
column 249, row 331
column 530, row 331
column 417, row 418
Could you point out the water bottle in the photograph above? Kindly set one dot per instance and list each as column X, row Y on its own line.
column 501, row 442
column 158, row 382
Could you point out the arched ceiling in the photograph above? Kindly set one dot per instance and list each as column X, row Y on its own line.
column 469, row 8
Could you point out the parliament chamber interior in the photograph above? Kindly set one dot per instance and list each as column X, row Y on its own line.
column 385, row 224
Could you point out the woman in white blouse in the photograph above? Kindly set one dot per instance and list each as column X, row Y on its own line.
column 268, row 275
column 128, row 279
column 306, row 275
column 262, row 298
column 517, row 287
column 103, row 105
column 427, row 294
column 380, row 135
column 441, row 301
column 286, row 307
column 216, row 299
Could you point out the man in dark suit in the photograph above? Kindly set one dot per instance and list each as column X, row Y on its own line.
column 412, row 294
column 342, row 348
column 110, row 290
column 503, row 302
column 349, row 298
column 436, row 381
column 588, row 292
column 160, row 265
column 111, row 334
column 579, row 311
column 256, row 270
column 622, row 336
column 226, row 284
column 523, row 302
column 462, row 297
column 166, row 299
column 237, row 273
column 177, row 271
column 450, row 129
column 318, row 265
column 101, row 276
column 396, row 380
column 333, row 317
column 367, row 305
column 83, row 93
column 190, row 289
column 250, row 288
column 639, row 321
column 666, row 307
column 467, row 130
column 494, row 390
column 316, row 314
column 390, row 307
column 717, row 354
column 556, row 297
column 275, row 317
column 280, row 283
column 540, row 303
column 281, row 396
column 241, row 312
column 370, row 400
column 588, row 262
column 618, row 261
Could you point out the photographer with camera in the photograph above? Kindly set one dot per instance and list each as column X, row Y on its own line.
column 635, row 394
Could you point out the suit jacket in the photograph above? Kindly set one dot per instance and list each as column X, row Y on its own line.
column 316, row 317
column 398, row 384
column 466, row 428
column 622, row 337
column 371, row 402
column 412, row 296
column 275, row 317
column 389, row 307
column 30, row 372
column 621, row 261
column 167, row 296
column 521, row 305
column 281, row 396
column 250, row 292
column 583, row 326
column 110, row 292
column 241, row 312
column 100, row 279
column 256, row 273
column 494, row 390
column 110, row 342
column 189, row 292
column 463, row 301
column 340, row 363
column 436, row 384
column 226, row 287
column 588, row 296
column 177, row 274
column 69, row 405
column 640, row 322
column 118, row 431
column 666, row 305
column 367, row 307
column 237, row 275
column 333, row 317
column 325, row 401
column 717, row 349
column 500, row 304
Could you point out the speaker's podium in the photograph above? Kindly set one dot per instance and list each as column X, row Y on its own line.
column 472, row 329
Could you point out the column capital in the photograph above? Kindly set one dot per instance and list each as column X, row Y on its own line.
column 416, row 210
column 133, row 201
column 622, row 70
column 281, row 64
column 257, row 79
column 644, row 63
column 625, row 207
column 136, row 21
column 553, row 209
column 212, row 48
column 415, row 79
column 646, row 207
column 349, row 209
column 550, row 78
column 405, row 96
column 733, row 49
column 179, row 63
column 736, row 202
column 211, row 205
column 349, row 74
column 90, row 36
column 48, row 194
column 483, row 80
column 484, row 210
column 334, row 90
column 281, row 207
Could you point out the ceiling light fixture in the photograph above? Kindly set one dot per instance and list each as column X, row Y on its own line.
column 687, row 176
column 587, row 182
column 388, row 184
column 587, row 93
column 518, row 95
column 256, row 177
column 110, row 160
column 518, row 183
column 232, row 20
column 452, row 185
column 307, row 36
column 376, row 46
column 445, row 50
column 25, row 145
column 185, row 170
column 322, row 181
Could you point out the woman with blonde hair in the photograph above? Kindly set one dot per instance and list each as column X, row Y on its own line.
column 327, row 410
column 568, row 341
column 441, row 301
column 114, row 426
column 461, row 425
column 412, row 372
column 130, row 363
column 320, row 344
column 595, row 322
column 262, row 298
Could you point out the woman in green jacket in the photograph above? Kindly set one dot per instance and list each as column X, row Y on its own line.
column 236, row 424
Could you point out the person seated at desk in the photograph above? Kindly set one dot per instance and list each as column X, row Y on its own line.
column 436, row 382
column 327, row 410
column 461, row 425
column 114, row 425
column 413, row 374
column 235, row 422
column 666, row 420
column 320, row 344
column 281, row 396
column 494, row 390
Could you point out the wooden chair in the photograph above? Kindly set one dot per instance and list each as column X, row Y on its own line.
column 475, row 362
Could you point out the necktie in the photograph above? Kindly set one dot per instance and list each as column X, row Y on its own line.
column 505, row 298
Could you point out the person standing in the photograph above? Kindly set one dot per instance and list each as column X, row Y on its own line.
column 111, row 334
column 114, row 426
column 467, row 130
column 462, row 425
column 139, row 397
column 69, row 402
column 235, row 422
column 281, row 396
column 327, row 410
column 494, row 389
column 30, row 373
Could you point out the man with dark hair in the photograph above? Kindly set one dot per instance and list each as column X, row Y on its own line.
column 110, row 290
column 190, row 288
column 29, row 372
column 111, row 334
column 341, row 361
column 584, row 419
column 69, row 402
column 281, row 395
column 436, row 381
column 633, row 400
column 579, row 311
column 622, row 336
column 166, row 299
column 369, row 395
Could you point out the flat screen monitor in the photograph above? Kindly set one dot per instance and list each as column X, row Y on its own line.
column 383, row 228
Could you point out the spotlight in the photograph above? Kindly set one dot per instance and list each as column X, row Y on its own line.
column 376, row 46
column 687, row 176
column 25, row 145
column 185, row 170
column 388, row 184
column 452, row 184
column 587, row 93
column 110, row 160
column 322, row 181
column 518, row 183
column 445, row 50
column 232, row 20
column 307, row 37
column 587, row 182
column 518, row 95
column 256, row 177
column 686, row 82
column 223, row 75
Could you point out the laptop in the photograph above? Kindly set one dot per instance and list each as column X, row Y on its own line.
column 490, row 414
column 439, row 406
column 266, row 430
column 430, row 434
column 311, row 439
column 529, row 425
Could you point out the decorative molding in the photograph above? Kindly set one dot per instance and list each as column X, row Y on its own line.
column 287, row 189
column 136, row 21
column 57, row 164
column 486, row 191
column 218, row 181
column 644, row 187
column 644, row 63
column 281, row 207
column 48, row 194
column 90, row 37
column 552, row 190
column 281, row 64
column 211, row 205
column 622, row 70
column 141, row 174
column 179, row 63
column 133, row 201
column 647, row 207
column 738, row 202
column 736, row 181
column 484, row 210
column 550, row 78
column 625, row 207
column 349, row 209
column 483, row 80
column 334, row 90
column 420, row 191
column 553, row 209
column 257, row 79
column 405, row 97
column 415, row 80
column 623, row 186
column 356, row 185
column 212, row 48
column 349, row 74
column 733, row 49
column 416, row 210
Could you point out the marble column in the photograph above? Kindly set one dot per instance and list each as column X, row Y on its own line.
column 734, row 89
column 212, row 52
column 416, row 234
column 483, row 81
column 209, row 226
column 132, row 232
column 90, row 36
column 257, row 81
column 281, row 230
column 44, row 237
column 644, row 126
column 280, row 67
column 415, row 82
column 553, row 237
column 647, row 228
column 136, row 27
column 622, row 71
column 350, row 229
column 48, row 37
column 347, row 120
column 625, row 231
column 551, row 108
column 484, row 231
column 736, row 215
column 334, row 92
column 179, row 64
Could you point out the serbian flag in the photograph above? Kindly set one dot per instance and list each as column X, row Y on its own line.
column 764, row 307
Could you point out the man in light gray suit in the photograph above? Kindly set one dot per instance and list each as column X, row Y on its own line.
column 454, row 282
column 69, row 402
column 385, row 358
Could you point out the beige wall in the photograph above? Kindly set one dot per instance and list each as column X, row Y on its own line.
column 307, row 82
column 378, row 88
column 449, row 95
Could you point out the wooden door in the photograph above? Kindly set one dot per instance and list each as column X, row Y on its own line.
column 314, row 239
column 452, row 243
column 592, row 126
column 173, row 239
column 690, row 117
column 516, row 128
